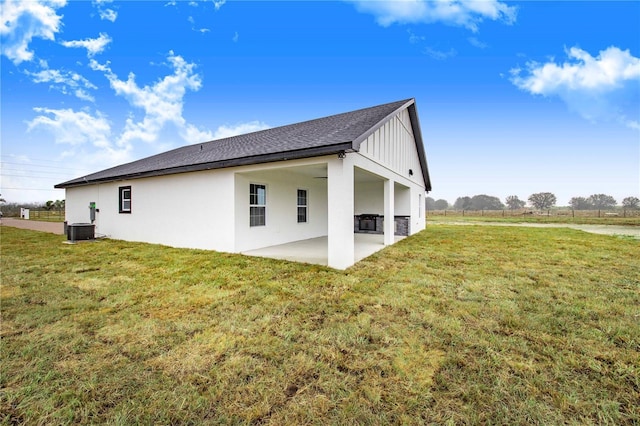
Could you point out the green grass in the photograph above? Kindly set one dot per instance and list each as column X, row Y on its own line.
column 454, row 325
column 578, row 220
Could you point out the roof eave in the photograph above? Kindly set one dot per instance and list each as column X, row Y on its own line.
column 417, row 132
column 242, row 161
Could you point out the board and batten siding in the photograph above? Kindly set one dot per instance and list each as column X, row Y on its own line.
column 393, row 146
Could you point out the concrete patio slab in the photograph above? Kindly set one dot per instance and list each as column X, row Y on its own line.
column 314, row 250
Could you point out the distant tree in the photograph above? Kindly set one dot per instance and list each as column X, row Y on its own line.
column 462, row 203
column 542, row 200
column 441, row 204
column 514, row 202
column 13, row 209
column 486, row 202
column 631, row 203
column 59, row 205
column 430, row 203
column 602, row 201
column 48, row 205
column 580, row 203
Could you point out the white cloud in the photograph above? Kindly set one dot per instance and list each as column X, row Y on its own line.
column 64, row 81
column 235, row 38
column 93, row 45
column 218, row 3
column 239, row 129
column 21, row 21
column 414, row 38
column 469, row 13
column 605, row 87
column 94, row 65
column 73, row 128
column 161, row 102
column 193, row 26
column 477, row 43
column 105, row 14
column 440, row 55
column 56, row 76
column 108, row 15
column 88, row 136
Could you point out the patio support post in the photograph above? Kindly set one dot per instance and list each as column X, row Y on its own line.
column 340, row 202
column 389, row 212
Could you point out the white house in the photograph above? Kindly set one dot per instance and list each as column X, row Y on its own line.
column 335, row 183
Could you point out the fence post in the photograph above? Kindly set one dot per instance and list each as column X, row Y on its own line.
column 463, row 213
column 624, row 212
column 598, row 212
column 573, row 213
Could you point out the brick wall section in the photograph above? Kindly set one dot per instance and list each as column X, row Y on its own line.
column 401, row 226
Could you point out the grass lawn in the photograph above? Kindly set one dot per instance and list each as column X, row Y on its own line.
column 578, row 220
column 472, row 324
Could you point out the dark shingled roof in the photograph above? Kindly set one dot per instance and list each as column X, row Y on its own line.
column 322, row 136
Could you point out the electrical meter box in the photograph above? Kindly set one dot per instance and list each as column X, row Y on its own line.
column 92, row 211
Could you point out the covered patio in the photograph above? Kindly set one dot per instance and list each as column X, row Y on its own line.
column 315, row 250
column 339, row 192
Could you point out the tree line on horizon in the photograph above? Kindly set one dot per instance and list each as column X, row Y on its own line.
column 539, row 200
column 13, row 209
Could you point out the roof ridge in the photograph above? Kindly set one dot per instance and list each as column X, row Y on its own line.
column 302, row 122
column 318, row 136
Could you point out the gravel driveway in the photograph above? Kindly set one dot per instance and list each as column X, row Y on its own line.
column 630, row 231
column 34, row 225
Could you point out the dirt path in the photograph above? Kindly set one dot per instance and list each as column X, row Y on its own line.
column 53, row 227
column 630, row 231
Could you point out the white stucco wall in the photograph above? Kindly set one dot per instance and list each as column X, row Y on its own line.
column 368, row 197
column 77, row 203
column 184, row 210
column 281, row 212
column 402, row 200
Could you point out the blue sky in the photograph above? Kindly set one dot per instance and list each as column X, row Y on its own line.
column 513, row 97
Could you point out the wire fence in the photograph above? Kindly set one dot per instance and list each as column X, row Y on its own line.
column 53, row 215
column 608, row 213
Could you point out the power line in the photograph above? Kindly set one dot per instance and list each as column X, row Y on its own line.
column 46, row 160
column 34, row 189
column 30, row 177
column 4, row 169
column 36, row 165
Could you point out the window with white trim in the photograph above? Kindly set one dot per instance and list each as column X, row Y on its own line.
column 302, row 205
column 124, row 199
column 257, row 205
